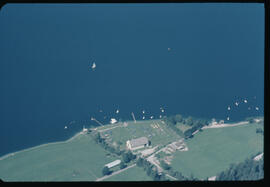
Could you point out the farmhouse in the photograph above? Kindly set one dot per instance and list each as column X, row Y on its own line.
column 114, row 163
column 137, row 143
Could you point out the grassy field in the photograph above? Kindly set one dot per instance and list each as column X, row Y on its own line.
column 80, row 159
column 182, row 127
column 213, row 150
column 132, row 174
column 154, row 130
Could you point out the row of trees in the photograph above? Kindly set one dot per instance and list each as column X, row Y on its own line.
column 99, row 140
column 150, row 169
column 247, row 170
column 195, row 124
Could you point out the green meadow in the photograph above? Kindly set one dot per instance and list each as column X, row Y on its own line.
column 157, row 132
column 213, row 150
column 80, row 159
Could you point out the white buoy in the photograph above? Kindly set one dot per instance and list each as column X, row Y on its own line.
column 236, row 104
column 162, row 110
column 143, row 111
column 160, row 116
column 151, row 117
column 94, row 66
column 245, row 101
column 117, row 111
column 228, row 118
column 65, row 127
column 143, row 117
column 229, row 108
column 257, row 108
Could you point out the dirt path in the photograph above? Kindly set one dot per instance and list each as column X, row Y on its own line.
column 226, row 125
column 173, row 178
column 114, row 173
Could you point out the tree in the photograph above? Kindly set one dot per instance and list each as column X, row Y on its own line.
column 106, row 171
column 164, row 165
column 178, row 118
column 188, row 133
column 172, row 120
column 127, row 157
column 189, row 121
column 259, row 130
column 139, row 162
column 122, row 165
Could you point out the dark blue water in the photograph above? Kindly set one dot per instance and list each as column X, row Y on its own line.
column 216, row 59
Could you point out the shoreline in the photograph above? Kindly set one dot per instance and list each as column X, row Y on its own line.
column 41, row 145
column 81, row 132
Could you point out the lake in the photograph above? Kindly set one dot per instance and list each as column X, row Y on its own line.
column 193, row 59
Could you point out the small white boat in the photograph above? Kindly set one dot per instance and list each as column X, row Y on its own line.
column 113, row 120
column 94, row 66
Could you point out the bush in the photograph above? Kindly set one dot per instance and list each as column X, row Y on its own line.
column 164, row 165
column 122, row 165
column 106, row 171
column 259, row 130
column 127, row 157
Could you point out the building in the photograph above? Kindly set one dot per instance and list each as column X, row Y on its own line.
column 114, row 163
column 137, row 143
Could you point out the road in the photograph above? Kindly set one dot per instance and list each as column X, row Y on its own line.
column 114, row 173
column 225, row 125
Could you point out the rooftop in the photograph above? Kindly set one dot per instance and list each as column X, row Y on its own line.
column 138, row 141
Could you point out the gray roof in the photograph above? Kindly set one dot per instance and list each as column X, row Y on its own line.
column 138, row 141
